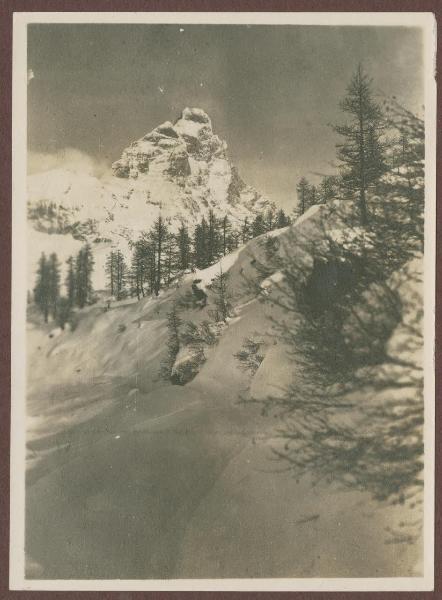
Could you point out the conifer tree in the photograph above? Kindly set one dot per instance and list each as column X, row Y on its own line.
column 327, row 189
column 70, row 281
column 302, row 190
column 135, row 276
column 200, row 243
column 361, row 153
column 258, row 225
column 222, row 301
column 170, row 258
column 53, row 284
column 270, row 220
column 80, row 279
column 147, row 259
column 110, row 272
column 42, row 287
column 183, row 243
column 282, row 220
column 312, row 196
column 213, row 239
column 158, row 235
column 120, row 275
column 139, row 267
column 152, row 270
column 226, row 236
column 245, row 231
column 83, row 277
column 399, row 216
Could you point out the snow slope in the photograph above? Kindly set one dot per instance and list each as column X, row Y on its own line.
column 149, row 480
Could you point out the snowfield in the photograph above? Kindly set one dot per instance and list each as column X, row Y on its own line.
column 132, row 477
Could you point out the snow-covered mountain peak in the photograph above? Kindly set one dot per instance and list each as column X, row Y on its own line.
column 171, row 147
column 180, row 170
column 198, row 117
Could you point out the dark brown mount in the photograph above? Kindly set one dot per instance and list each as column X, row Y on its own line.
column 7, row 8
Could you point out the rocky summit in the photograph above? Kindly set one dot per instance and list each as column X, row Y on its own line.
column 180, row 170
column 185, row 166
column 174, row 148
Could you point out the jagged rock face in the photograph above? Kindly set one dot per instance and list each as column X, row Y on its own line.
column 180, row 169
column 189, row 155
column 174, row 149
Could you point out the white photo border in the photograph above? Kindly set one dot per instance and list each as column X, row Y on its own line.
column 17, row 581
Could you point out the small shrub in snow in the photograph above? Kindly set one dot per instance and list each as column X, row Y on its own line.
column 209, row 333
column 249, row 357
column 198, row 336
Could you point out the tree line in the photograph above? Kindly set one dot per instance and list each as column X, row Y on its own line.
column 78, row 283
column 159, row 255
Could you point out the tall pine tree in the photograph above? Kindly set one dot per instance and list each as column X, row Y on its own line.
column 110, row 272
column 282, row 220
column 258, row 225
column 158, row 235
column 200, row 245
column 227, row 241
column 53, row 284
column 183, row 243
column 170, row 258
column 42, row 287
column 302, row 190
column 222, row 300
column 270, row 220
column 84, row 266
column 117, row 274
column 139, row 267
column 245, row 231
column 327, row 189
column 361, row 152
column 213, row 239
column 70, row 282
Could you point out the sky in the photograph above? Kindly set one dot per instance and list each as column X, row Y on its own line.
column 271, row 91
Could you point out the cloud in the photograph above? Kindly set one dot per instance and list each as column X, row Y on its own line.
column 67, row 158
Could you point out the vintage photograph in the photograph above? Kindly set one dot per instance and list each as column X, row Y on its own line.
column 223, row 241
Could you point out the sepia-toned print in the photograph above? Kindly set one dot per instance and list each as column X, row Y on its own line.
column 226, row 303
